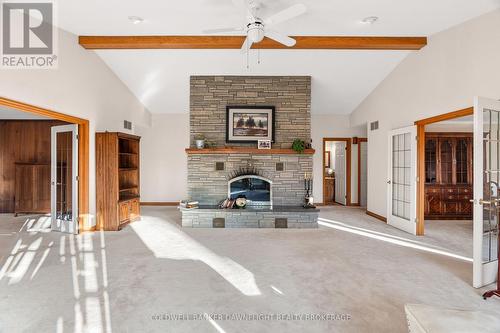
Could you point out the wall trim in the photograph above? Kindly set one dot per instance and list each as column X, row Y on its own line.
column 378, row 217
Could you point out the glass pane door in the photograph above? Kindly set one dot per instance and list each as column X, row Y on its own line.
column 64, row 208
column 64, row 167
column 486, row 190
column 490, row 184
column 401, row 201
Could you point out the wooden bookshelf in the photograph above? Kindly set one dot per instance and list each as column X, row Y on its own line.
column 118, row 179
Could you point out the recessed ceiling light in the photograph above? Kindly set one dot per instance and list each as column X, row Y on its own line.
column 135, row 19
column 369, row 20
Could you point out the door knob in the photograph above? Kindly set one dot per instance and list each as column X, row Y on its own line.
column 388, row 182
column 486, row 202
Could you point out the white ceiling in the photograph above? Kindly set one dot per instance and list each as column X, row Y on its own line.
column 341, row 79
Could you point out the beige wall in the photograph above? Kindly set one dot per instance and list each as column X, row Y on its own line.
column 163, row 159
column 333, row 126
column 455, row 66
column 82, row 86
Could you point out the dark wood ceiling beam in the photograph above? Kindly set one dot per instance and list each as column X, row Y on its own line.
column 235, row 42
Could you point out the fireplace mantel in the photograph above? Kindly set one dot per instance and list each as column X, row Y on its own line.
column 243, row 150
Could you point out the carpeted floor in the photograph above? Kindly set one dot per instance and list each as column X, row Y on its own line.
column 154, row 276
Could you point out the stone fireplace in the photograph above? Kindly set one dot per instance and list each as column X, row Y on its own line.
column 272, row 180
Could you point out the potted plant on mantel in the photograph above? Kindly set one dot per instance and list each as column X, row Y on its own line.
column 200, row 141
column 299, row 145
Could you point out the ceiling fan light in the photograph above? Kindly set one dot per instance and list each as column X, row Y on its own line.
column 256, row 35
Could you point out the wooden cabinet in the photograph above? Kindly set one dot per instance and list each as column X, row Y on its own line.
column 32, row 188
column 448, row 176
column 118, row 179
column 129, row 210
column 329, row 190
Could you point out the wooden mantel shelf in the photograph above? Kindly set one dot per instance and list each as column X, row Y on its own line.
column 240, row 150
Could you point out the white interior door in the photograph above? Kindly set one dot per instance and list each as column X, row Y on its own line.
column 402, row 179
column 486, row 190
column 340, row 172
column 64, row 178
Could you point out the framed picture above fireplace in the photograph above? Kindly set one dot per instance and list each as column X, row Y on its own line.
column 249, row 123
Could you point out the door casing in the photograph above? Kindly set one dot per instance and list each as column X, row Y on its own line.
column 348, row 167
column 421, row 159
column 83, row 153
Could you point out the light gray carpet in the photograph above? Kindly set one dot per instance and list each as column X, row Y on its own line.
column 353, row 265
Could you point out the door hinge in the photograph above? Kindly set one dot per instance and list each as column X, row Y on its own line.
column 78, row 136
column 77, row 178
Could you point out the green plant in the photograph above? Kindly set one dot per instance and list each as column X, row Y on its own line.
column 199, row 137
column 299, row 145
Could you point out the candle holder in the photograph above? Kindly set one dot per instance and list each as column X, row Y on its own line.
column 308, row 187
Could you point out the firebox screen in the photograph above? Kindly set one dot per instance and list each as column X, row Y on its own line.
column 254, row 189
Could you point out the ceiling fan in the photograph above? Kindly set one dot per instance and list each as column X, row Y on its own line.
column 257, row 28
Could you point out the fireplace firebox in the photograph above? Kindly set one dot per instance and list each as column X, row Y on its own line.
column 256, row 189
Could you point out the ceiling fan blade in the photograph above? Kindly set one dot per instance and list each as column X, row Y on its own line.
column 222, row 30
column 281, row 38
column 244, row 6
column 286, row 14
column 247, row 45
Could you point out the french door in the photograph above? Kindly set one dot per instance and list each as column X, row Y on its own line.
column 402, row 179
column 340, row 172
column 64, row 179
column 486, row 190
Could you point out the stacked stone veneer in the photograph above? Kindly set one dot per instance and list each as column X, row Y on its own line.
column 290, row 95
column 209, row 186
column 240, row 218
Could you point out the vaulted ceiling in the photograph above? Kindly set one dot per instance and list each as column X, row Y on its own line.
column 341, row 79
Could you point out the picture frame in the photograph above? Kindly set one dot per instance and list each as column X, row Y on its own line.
column 249, row 124
column 264, row 144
